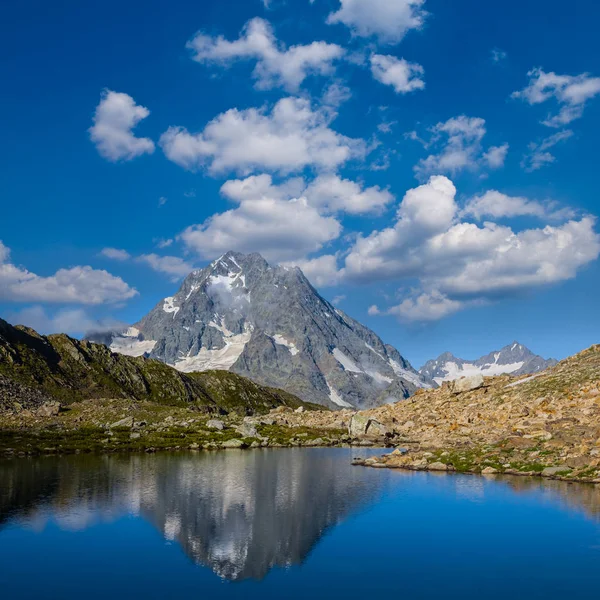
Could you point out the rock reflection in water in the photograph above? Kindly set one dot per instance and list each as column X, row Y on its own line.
column 238, row 512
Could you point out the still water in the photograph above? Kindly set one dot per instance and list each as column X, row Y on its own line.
column 299, row 523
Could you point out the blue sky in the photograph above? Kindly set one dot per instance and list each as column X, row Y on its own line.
column 487, row 112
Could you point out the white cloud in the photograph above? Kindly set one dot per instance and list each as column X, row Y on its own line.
column 402, row 75
column 266, row 221
column 290, row 138
column 173, row 266
column 571, row 92
column 539, row 155
column 115, row 254
column 321, row 271
column 73, row 321
column 457, row 262
column 388, row 20
column 373, row 310
column 496, row 156
column 461, row 150
column 276, row 66
column 338, row 299
column 332, row 194
column 498, row 205
column 498, row 55
column 336, row 94
column 77, row 285
column 328, row 193
column 431, row 306
column 115, row 118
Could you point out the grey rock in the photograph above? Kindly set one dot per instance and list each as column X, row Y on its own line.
column 126, row 422
column 551, row 471
column 234, row 444
column 135, row 436
column 362, row 425
column 437, row 466
column 247, row 430
column 467, row 384
column 268, row 323
column 215, row 424
column 49, row 409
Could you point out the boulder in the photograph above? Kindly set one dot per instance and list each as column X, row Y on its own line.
column 552, row 471
column 234, row 444
column 126, row 422
column 467, row 384
column 489, row 471
column 362, row 425
column 437, row 466
column 247, row 430
column 215, row 424
column 49, row 409
column 300, row 409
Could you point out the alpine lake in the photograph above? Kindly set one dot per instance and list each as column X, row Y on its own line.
column 288, row 523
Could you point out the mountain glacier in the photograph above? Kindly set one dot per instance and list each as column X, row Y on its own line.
column 269, row 324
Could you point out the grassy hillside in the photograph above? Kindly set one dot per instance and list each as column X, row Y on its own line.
column 35, row 368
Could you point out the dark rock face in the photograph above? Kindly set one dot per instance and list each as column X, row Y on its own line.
column 514, row 359
column 269, row 324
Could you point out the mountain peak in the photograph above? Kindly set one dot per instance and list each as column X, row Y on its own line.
column 513, row 358
column 268, row 323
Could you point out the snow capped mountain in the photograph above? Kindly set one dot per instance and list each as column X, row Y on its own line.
column 514, row 359
column 268, row 323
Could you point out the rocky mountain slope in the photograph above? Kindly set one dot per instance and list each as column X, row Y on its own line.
column 35, row 369
column 269, row 324
column 544, row 424
column 515, row 359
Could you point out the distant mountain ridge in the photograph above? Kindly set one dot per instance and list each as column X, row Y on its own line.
column 513, row 359
column 269, row 324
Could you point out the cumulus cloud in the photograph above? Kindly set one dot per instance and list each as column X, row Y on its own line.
column 402, row 75
column 276, row 65
column 173, row 266
column 539, row 154
column 77, row 285
column 461, row 149
column 115, row 254
column 498, row 205
column 496, row 156
column 291, row 137
column 328, row 193
column 571, row 92
column 321, row 271
column 112, row 132
column 458, row 263
column 265, row 221
column 388, row 20
column 331, row 193
column 73, row 321
column 430, row 306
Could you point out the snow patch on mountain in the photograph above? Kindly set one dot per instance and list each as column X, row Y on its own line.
column 131, row 343
column 218, row 358
column 281, row 341
column 346, row 361
column 336, row 398
column 169, row 306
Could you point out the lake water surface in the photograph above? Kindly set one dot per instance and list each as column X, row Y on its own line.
column 298, row 523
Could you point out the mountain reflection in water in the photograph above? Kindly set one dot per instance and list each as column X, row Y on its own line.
column 238, row 512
